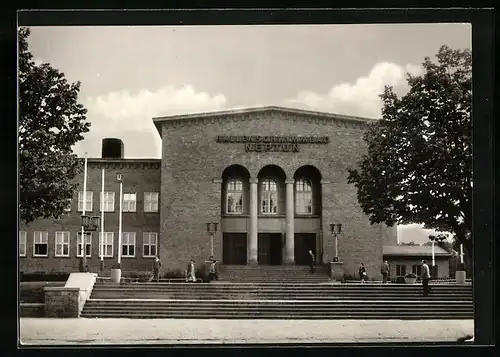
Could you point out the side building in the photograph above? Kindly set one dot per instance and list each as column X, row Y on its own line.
column 50, row 245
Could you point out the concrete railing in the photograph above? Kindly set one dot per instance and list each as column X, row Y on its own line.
column 68, row 301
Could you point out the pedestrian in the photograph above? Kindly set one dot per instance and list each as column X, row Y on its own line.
column 362, row 273
column 425, row 276
column 312, row 261
column 212, row 273
column 385, row 272
column 191, row 272
column 156, row 268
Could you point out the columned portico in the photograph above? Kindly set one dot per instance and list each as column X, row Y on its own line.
column 290, row 232
column 253, row 241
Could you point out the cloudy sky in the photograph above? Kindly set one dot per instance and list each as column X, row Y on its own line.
column 131, row 74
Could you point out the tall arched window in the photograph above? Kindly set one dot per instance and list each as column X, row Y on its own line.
column 269, row 197
column 303, row 196
column 234, row 202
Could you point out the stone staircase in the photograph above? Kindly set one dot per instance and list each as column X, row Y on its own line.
column 273, row 273
column 278, row 300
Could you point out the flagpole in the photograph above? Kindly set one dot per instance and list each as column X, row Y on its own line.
column 83, row 250
column 102, row 222
column 120, row 223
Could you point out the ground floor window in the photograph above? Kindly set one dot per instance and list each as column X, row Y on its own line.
column 128, row 244
column 88, row 245
column 62, row 244
column 22, row 244
column 41, row 244
column 150, row 242
column 400, row 270
column 108, row 244
column 416, row 269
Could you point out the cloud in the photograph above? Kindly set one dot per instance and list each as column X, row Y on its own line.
column 416, row 233
column 360, row 98
column 128, row 115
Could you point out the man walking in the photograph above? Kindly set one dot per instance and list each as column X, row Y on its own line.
column 156, row 268
column 425, row 278
column 312, row 261
column 385, row 272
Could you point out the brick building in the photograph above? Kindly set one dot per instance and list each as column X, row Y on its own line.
column 273, row 178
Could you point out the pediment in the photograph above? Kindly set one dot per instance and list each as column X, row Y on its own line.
column 264, row 113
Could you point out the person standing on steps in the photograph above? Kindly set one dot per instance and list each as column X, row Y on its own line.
column 426, row 275
column 191, row 272
column 385, row 272
column 212, row 273
column 312, row 261
column 362, row 273
column 156, row 268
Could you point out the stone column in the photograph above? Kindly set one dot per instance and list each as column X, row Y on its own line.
column 290, row 216
column 253, row 241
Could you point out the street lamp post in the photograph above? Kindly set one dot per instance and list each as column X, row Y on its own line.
column 336, row 230
column 212, row 229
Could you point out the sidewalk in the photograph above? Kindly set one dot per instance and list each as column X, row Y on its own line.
column 43, row 331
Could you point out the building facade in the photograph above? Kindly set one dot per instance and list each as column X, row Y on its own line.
column 273, row 179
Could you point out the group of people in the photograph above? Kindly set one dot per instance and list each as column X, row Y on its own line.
column 190, row 271
column 385, row 270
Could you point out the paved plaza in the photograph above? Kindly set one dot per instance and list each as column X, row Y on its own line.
column 44, row 331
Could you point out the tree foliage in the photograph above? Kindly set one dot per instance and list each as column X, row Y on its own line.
column 418, row 168
column 51, row 121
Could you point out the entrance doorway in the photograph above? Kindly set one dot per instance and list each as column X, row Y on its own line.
column 304, row 242
column 234, row 248
column 270, row 249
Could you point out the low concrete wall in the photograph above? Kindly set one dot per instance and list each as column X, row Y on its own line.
column 68, row 301
column 336, row 271
column 32, row 309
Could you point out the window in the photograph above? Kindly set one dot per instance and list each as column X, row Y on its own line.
column 400, row 270
column 129, row 202
column 62, row 244
column 22, row 244
column 269, row 197
column 303, row 197
column 109, row 201
column 88, row 244
column 150, row 201
column 128, row 244
column 234, row 196
column 90, row 196
column 68, row 206
column 41, row 244
column 108, row 244
column 150, row 241
column 416, row 269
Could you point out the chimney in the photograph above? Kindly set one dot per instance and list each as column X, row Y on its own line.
column 112, row 148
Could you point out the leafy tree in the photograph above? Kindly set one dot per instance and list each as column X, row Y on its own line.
column 51, row 121
column 441, row 241
column 418, row 168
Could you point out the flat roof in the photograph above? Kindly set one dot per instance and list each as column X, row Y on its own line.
column 159, row 120
column 414, row 251
column 117, row 161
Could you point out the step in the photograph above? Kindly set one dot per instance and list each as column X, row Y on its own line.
column 208, row 315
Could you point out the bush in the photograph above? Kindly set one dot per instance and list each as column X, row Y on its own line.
column 399, row 280
column 411, row 275
column 116, row 266
column 348, row 276
column 142, row 276
column 32, row 291
column 43, row 277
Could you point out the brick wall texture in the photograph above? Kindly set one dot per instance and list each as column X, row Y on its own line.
column 189, row 176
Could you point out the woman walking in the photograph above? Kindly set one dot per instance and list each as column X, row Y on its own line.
column 362, row 273
column 191, row 272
